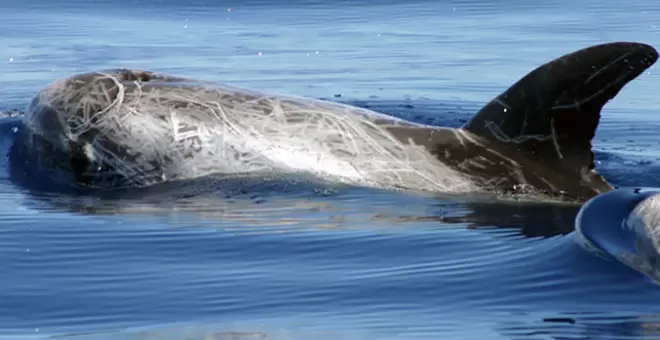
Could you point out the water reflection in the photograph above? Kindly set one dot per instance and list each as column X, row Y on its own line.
column 284, row 201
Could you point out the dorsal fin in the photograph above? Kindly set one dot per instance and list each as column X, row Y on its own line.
column 554, row 110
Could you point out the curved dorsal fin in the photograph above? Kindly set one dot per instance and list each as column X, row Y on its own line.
column 553, row 111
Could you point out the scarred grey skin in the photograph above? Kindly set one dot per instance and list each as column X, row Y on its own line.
column 534, row 137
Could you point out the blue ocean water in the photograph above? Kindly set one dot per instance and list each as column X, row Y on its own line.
column 299, row 259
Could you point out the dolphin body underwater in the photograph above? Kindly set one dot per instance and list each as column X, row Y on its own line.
column 124, row 128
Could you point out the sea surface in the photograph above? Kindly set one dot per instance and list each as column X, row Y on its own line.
column 283, row 258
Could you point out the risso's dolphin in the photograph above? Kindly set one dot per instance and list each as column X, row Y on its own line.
column 122, row 128
column 623, row 224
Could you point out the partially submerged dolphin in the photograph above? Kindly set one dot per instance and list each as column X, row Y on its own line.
column 624, row 224
column 119, row 128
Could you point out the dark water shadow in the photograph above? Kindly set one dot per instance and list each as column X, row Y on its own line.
column 536, row 219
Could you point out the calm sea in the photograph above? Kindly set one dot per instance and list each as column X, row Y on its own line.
column 297, row 259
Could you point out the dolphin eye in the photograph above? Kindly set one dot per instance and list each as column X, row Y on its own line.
column 144, row 76
column 79, row 160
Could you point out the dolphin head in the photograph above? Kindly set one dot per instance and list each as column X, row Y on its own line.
column 81, row 125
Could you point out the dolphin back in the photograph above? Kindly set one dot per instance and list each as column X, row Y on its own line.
column 552, row 112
